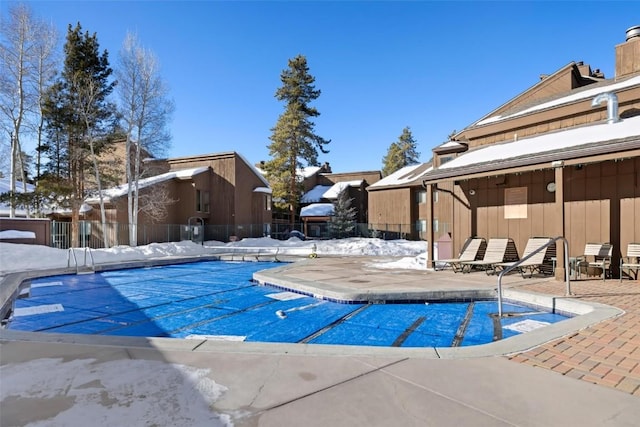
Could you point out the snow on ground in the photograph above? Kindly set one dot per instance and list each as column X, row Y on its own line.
column 20, row 257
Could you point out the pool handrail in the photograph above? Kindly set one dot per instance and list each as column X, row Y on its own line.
column 517, row 263
column 75, row 259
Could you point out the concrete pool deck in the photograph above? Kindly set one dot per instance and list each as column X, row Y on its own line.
column 590, row 376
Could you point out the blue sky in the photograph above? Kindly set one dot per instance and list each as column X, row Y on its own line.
column 433, row 66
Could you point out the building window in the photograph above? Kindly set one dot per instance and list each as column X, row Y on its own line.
column 421, row 225
column 435, row 226
column 267, row 201
column 515, row 203
column 202, row 201
column 435, row 196
column 421, row 197
column 445, row 159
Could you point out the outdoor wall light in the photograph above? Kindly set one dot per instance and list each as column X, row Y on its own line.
column 472, row 192
column 551, row 187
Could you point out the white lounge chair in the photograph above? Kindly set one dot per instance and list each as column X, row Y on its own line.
column 473, row 246
column 495, row 253
column 535, row 260
column 631, row 262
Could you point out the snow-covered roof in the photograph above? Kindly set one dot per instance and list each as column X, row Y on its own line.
column 549, row 142
column 578, row 96
column 308, row 171
column 330, row 192
column 262, row 190
column 402, row 176
column 451, row 144
column 301, row 173
column 5, row 187
column 121, row 190
column 317, row 209
column 338, row 187
column 315, row 194
column 574, row 143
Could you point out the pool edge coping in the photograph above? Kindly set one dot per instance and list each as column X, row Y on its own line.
column 587, row 314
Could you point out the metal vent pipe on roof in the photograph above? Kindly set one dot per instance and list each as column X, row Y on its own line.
column 633, row 32
column 612, row 105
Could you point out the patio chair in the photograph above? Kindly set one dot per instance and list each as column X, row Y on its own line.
column 535, row 259
column 473, row 247
column 596, row 256
column 495, row 253
column 631, row 262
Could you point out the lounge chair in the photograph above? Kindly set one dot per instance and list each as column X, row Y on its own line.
column 495, row 253
column 631, row 262
column 532, row 261
column 596, row 255
column 473, row 246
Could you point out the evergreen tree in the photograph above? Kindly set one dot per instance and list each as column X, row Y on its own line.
column 294, row 143
column 79, row 116
column 342, row 222
column 401, row 153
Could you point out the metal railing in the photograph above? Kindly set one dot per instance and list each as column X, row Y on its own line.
column 519, row 262
column 72, row 254
column 93, row 233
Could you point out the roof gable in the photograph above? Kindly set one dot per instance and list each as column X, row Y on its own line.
column 407, row 176
column 122, row 190
column 574, row 96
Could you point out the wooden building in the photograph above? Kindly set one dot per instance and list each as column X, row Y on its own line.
column 398, row 204
column 222, row 193
column 322, row 190
column 560, row 159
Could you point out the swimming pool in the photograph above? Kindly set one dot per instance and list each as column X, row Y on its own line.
column 219, row 300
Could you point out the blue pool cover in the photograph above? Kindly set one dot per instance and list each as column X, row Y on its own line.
column 218, row 300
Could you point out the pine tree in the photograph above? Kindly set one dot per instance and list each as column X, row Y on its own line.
column 401, row 153
column 294, row 143
column 79, row 116
column 342, row 222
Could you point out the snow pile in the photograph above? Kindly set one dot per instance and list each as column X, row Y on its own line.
column 20, row 257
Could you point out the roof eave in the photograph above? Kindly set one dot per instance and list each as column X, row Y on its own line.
column 589, row 153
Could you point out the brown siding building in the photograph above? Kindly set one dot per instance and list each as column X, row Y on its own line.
column 560, row 159
column 221, row 192
column 323, row 188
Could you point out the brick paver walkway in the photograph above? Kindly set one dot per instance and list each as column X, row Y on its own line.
column 607, row 353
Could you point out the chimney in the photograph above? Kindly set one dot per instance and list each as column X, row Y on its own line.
column 628, row 54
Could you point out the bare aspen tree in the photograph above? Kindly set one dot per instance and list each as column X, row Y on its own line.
column 47, row 65
column 145, row 110
column 17, row 52
column 27, row 68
